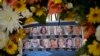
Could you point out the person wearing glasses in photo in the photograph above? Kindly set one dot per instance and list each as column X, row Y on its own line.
column 35, row 43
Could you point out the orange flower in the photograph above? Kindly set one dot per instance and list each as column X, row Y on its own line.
column 11, row 2
column 89, row 30
column 54, row 8
column 32, row 1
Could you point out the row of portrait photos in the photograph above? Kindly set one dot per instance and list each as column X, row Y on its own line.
column 55, row 30
column 53, row 43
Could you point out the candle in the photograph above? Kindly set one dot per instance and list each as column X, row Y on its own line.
column 20, row 46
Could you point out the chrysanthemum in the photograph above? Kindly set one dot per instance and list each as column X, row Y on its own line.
column 9, row 19
column 3, row 39
column 11, row 47
column 94, row 15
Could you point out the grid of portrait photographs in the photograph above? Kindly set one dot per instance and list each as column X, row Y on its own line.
column 60, row 37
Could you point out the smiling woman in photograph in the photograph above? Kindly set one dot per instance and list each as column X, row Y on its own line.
column 61, row 43
column 35, row 31
column 43, row 30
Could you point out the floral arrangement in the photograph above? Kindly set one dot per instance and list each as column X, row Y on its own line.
column 16, row 13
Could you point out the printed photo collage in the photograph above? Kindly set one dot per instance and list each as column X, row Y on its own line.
column 53, row 38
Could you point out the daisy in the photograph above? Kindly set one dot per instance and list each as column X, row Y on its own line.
column 94, row 15
column 9, row 19
column 11, row 47
column 19, row 6
column 94, row 48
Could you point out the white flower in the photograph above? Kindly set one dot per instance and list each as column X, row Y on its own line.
column 33, row 9
column 19, row 55
column 26, row 13
column 97, row 34
column 3, row 39
column 69, row 5
column 9, row 19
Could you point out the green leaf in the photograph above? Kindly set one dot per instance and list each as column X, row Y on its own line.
column 82, row 50
column 63, row 15
column 40, row 19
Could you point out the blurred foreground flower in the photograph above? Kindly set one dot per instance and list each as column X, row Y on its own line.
column 88, row 31
column 57, row 1
column 94, row 48
column 10, row 2
column 3, row 39
column 94, row 15
column 9, row 19
column 98, row 33
column 11, row 47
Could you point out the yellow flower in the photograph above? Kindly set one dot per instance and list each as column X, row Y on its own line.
column 57, row 1
column 94, row 48
column 19, row 35
column 70, row 16
column 19, row 6
column 94, row 15
column 1, row 1
column 23, row 1
column 11, row 47
column 39, row 12
column 29, row 20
